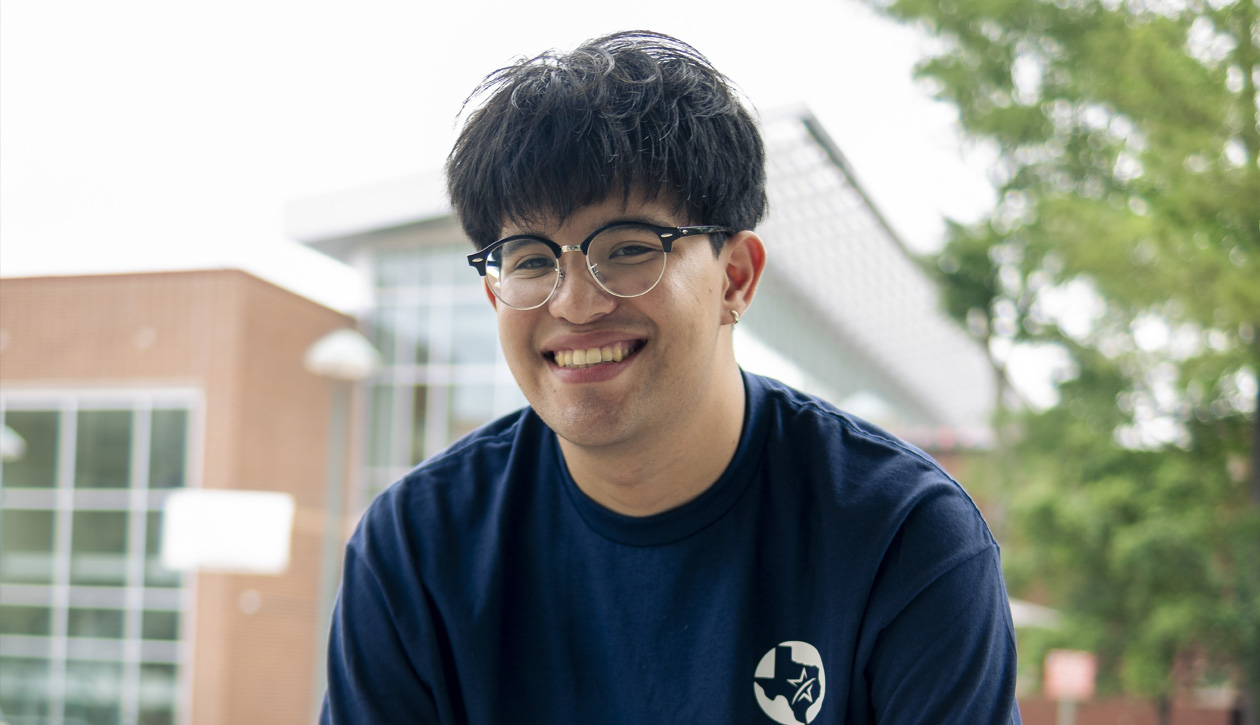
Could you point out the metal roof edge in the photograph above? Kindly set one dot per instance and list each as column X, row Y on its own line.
column 321, row 218
column 837, row 157
column 802, row 115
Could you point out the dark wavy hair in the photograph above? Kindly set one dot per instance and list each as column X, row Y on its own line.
column 630, row 113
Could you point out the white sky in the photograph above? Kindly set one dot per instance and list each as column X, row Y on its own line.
column 150, row 134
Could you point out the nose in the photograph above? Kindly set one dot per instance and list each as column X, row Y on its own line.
column 578, row 298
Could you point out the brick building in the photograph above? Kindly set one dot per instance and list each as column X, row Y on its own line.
column 126, row 388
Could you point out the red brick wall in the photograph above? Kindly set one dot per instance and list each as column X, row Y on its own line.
column 1122, row 712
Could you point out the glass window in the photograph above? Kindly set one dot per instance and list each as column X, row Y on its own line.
column 26, row 546
column 158, row 624
column 103, row 449
column 92, row 692
column 98, row 548
column 383, row 332
column 37, row 468
column 24, row 689
column 397, row 269
column 471, row 406
column 30, row 621
column 159, row 686
column 99, row 623
column 474, row 334
column 447, row 333
column 157, row 716
column 381, row 425
column 167, row 448
column 413, row 335
column 92, row 550
column 156, row 575
column 419, row 409
column 448, row 268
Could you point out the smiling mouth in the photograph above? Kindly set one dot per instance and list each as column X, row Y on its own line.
column 576, row 359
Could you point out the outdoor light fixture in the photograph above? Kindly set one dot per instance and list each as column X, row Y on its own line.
column 342, row 355
column 12, row 445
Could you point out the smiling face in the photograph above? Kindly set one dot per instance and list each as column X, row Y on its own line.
column 609, row 371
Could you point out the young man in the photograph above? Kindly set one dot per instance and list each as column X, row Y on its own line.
column 659, row 537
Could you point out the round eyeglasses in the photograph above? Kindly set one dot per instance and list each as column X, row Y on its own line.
column 627, row 259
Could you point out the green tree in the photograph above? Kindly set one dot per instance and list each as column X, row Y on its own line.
column 1127, row 138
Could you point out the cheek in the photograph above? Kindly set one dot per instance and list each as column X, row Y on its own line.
column 700, row 288
column 513, row 335
column 689, row 306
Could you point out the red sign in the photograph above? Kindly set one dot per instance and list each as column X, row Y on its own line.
column 1069, row 675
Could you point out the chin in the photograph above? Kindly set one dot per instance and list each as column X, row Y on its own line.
column 588, row 425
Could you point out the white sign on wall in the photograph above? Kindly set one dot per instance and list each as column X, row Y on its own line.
column 228, row 531
column 1069, row 675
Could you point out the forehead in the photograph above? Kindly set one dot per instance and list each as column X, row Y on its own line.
column 661, row 211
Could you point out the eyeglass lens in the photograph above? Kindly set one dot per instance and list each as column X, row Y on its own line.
column 626, row 260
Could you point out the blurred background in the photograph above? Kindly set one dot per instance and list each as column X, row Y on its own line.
column 1021, row 234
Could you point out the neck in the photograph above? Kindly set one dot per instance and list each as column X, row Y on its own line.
column 676, row 464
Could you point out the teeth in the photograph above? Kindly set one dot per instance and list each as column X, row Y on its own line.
column 594, row 356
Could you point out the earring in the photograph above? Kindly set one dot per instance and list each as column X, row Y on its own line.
column 735, row 314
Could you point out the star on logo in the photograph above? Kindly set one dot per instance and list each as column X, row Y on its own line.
column 785, row 696
column 804, row 687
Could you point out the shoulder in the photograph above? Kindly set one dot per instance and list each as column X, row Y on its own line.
column 819, row 433
column 876, row 497
column 855, row 469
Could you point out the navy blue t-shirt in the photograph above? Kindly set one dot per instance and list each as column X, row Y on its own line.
column 832, row 575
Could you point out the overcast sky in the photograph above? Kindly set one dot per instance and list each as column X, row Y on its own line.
column 139, row 135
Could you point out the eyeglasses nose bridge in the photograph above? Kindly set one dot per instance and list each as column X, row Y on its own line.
column 586, row 262
column 560, row 267
column 571, row 248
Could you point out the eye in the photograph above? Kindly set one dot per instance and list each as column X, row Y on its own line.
column 524, row 258
column 626, row 245
column 629, row 250
column 535, row 262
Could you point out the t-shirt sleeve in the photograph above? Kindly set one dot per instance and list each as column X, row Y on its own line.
column 382, row 664
column 945, row 651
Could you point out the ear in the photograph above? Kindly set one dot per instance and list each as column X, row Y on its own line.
column 485, row 287
column 745, row 258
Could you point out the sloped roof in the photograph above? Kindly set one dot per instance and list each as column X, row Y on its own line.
column 329, row 221
column 830, row 249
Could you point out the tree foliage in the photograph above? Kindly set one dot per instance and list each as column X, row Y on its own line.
column 1126, row 236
